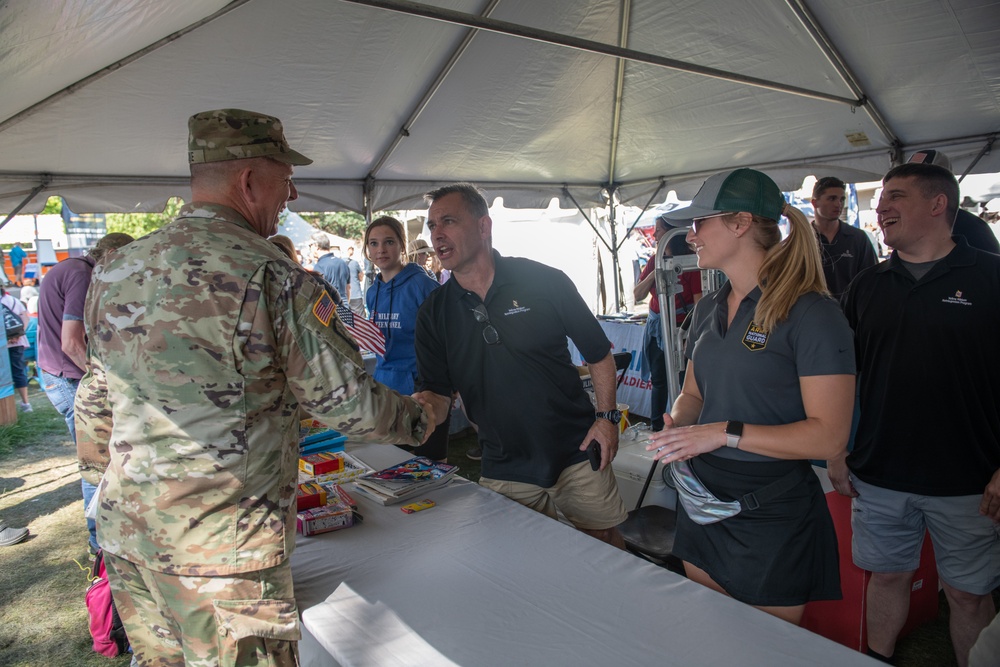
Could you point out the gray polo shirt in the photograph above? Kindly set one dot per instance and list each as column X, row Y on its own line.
column 753, row 377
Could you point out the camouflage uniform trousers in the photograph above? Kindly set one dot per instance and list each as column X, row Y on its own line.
column 232, row 621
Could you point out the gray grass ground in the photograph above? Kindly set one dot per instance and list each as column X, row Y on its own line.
column 43, row 620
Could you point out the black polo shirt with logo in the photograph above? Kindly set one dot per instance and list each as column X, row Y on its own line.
column 929, row 374
column 523, row 393
column 849, row 253
column 750, row 376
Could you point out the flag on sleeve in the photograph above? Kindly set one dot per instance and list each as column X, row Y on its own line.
column 323, row 309
column 366, row 333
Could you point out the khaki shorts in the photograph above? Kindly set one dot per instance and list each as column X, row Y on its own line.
column 588, row 499
column 173, row 621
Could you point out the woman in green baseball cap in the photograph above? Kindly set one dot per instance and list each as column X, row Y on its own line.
column 769, row 385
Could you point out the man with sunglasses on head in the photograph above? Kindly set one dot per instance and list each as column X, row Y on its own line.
column 846, row 250
column 496, row 333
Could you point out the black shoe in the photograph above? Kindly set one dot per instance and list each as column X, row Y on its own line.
column 474, row 453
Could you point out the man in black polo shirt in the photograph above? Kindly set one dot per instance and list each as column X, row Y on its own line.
column 496, row 333
column 927, row 450
column 845, row 250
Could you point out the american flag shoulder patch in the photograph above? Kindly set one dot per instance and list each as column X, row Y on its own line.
column 324, row 308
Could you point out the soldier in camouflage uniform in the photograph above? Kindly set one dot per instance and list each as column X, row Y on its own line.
column 205, row 339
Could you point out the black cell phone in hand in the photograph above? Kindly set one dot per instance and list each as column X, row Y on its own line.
column 594, row 454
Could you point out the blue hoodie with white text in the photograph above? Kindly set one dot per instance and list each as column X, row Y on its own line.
column 393, row 306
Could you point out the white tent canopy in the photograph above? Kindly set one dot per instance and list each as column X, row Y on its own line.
column 528, row 98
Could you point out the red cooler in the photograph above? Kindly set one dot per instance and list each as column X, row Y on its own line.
column 843, row 620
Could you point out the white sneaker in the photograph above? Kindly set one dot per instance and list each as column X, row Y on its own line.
column 26, row 407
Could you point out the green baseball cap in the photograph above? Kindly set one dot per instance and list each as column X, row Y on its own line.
column 729, row 192
column 235, row 134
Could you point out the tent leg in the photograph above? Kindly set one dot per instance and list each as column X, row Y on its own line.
column 46, row 179
column 615, row 267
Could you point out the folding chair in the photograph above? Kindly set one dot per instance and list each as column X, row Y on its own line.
column 649, row 531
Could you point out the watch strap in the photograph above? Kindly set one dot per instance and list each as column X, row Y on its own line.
column 613, row 416
column 734, row 431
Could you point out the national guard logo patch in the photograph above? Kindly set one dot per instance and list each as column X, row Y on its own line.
column 755, row 338
column 324, row 308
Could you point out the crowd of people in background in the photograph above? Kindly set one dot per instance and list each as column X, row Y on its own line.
column 193, row 352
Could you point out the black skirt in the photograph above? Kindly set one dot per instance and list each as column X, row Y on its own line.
column 782, row 554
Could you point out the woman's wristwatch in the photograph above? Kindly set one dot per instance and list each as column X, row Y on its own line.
column 734, row 431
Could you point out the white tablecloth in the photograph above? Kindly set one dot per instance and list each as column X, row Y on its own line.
column 480, row 581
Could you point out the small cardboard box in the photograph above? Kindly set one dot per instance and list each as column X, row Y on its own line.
column 310, row 495
column 323, row 441
column 321, row 463
column 352, row 468
column 336, row 493
column 337, row 515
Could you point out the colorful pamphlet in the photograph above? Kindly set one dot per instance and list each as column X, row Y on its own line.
column 404, row 480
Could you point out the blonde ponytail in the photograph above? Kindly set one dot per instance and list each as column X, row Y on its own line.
column 792, row 267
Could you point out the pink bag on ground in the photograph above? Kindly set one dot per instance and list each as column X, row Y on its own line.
column 105, row 626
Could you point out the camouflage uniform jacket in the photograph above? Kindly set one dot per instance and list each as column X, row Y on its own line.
column 204, row 339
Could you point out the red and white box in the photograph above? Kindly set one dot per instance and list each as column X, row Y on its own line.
column 309, row 495
column 321, row 463
column 337, row 514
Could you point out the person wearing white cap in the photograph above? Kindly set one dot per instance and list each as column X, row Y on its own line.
column 769, row 385
column 417, row 251
column 975, row 230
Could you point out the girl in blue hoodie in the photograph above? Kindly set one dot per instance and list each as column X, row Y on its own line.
column 393, row 301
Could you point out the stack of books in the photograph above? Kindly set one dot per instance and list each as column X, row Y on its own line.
column 404, row 480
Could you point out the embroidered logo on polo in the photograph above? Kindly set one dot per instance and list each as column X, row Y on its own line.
column 755, row 338
column 515, row 309
column 957, row 299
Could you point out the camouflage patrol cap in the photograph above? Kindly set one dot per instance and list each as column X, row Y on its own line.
column 234, row 134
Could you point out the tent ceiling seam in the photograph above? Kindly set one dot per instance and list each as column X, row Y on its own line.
column 549, row 37
column 71, row 181
column 833, row 56
column 114, row 67
column 428, row 95
column 616, row 118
